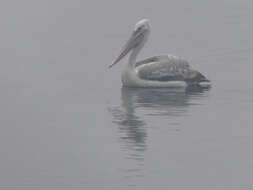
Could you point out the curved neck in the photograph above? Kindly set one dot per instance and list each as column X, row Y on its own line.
column 136, row 50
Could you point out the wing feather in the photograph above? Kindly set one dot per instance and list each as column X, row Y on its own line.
column 164, row 68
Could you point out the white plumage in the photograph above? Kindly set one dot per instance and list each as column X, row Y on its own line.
column 157, row 71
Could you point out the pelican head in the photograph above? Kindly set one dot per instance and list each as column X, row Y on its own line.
column 142, row 24
column 138, row 37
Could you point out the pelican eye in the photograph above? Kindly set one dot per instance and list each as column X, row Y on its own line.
column 138, row 29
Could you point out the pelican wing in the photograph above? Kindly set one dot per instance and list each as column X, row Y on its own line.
column 163, row 68
column 167, row 68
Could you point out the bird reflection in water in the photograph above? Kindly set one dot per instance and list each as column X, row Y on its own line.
column 160, row 102
column 131, row 127
column 155, row 102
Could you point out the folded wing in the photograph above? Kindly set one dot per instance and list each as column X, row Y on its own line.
column 168, row 68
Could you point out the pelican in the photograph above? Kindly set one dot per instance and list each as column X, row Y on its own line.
column 156, row 71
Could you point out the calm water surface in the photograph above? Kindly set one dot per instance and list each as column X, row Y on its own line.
column 66, row 122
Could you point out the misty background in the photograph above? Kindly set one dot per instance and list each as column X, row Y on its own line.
column 66, row 122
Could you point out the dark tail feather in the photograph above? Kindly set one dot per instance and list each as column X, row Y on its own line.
column 201, row 78
column 198, row 78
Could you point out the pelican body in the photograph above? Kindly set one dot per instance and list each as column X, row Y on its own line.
column 157, row 71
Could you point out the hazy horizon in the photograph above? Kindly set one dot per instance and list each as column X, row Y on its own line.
column 67, row 123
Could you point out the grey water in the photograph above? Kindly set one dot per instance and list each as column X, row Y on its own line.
column 67, row 123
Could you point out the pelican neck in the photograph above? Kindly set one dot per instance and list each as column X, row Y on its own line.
column 135, row 52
